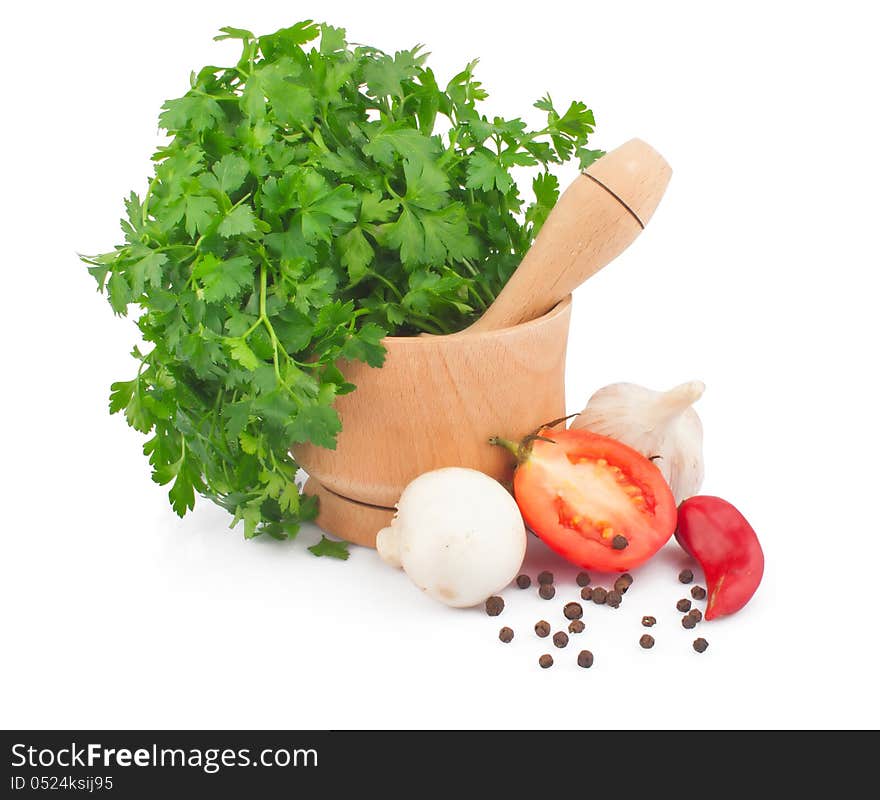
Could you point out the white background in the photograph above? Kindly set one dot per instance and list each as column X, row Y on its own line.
column 758, row 275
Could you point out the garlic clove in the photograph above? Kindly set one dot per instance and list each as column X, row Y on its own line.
column 660, row 425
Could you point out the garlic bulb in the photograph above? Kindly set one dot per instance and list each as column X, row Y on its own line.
column 656, row 424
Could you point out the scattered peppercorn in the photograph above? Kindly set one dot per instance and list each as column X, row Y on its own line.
column 547, row 591
column 619, row 542
column 700, row 645
column 545, row 577
column 585, row 659
column 687, row 621
column 523, row 581
column 573, row 611
column 587, row 593
column 685, row 576
column 560, row 638
column 696, row 614
column 647, row 641
column 600, row 595
column 506, row 635
column 649, row 622
column 576, row 626
column 542, row 628
column 545, row 661
column 613, row 599
column 494, row 605
column 583, row 579
column 683, row 605
column 623, row 582
column 698, row 593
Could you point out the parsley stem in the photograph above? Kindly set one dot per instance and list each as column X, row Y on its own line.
column 382, row 279
column 146, row 205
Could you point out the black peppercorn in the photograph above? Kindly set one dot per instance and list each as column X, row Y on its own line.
column 585, row 659
column 700, row 645
column 576, row 626
column 545, row 661
column 523, row 581
column 685, row 576
column 560, row 638
column 683, row 605
column 545, row 577
column 647, row 641
column 547, row 591
column 583, row 579
column 542, row 628
column 494, row 606
column 506, row 635
column 573, row 611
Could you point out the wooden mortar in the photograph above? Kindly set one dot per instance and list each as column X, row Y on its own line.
column 434, row 403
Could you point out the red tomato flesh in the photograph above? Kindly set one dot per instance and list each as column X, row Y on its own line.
column 583, row 491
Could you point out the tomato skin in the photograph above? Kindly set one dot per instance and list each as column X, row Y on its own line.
column 551, row 470
column 720, row 538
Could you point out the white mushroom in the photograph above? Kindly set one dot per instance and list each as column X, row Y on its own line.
column 458, row 534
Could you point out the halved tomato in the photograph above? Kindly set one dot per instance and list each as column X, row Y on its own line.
column 595, row 501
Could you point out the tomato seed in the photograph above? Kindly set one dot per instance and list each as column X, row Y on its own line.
column 494, row 606
column 585, row 659
column 542, row 628
column 523, row 581
column 506, row 635
column 683, row 605
column 647, row 641
column 698, row 593
column 619, row 542
column 649, row 622
column 545, row 577
column 586, row 593
column 696, row 614
column 560, row 638
column 576, row 626
column 600, row 595
column 547, row 591
column 623, row 582
column 545, row 661
column 700, row 645
column 613, row 599
column 573, row 611
column 685, row 576
column 583, row 579
column 688, row 622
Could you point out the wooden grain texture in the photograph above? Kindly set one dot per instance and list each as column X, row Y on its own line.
column 637, row 174
column 356, row 522
column 588, row 227
column 435, row 403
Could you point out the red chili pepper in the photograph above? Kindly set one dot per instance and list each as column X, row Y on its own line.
column 720, row 538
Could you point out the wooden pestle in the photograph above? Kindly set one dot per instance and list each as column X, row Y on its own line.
column 595, row 220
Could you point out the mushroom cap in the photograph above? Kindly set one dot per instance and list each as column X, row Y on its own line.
column 461, row 536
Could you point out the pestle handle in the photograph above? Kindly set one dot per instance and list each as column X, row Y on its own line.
column 597, row 217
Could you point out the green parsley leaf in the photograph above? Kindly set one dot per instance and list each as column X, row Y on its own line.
column 312, row 198
column 331, row 548
column 239, row 220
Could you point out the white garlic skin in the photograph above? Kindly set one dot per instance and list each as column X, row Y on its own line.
column 656, row 424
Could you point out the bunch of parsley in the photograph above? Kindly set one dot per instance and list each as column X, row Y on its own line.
column 303, row 208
